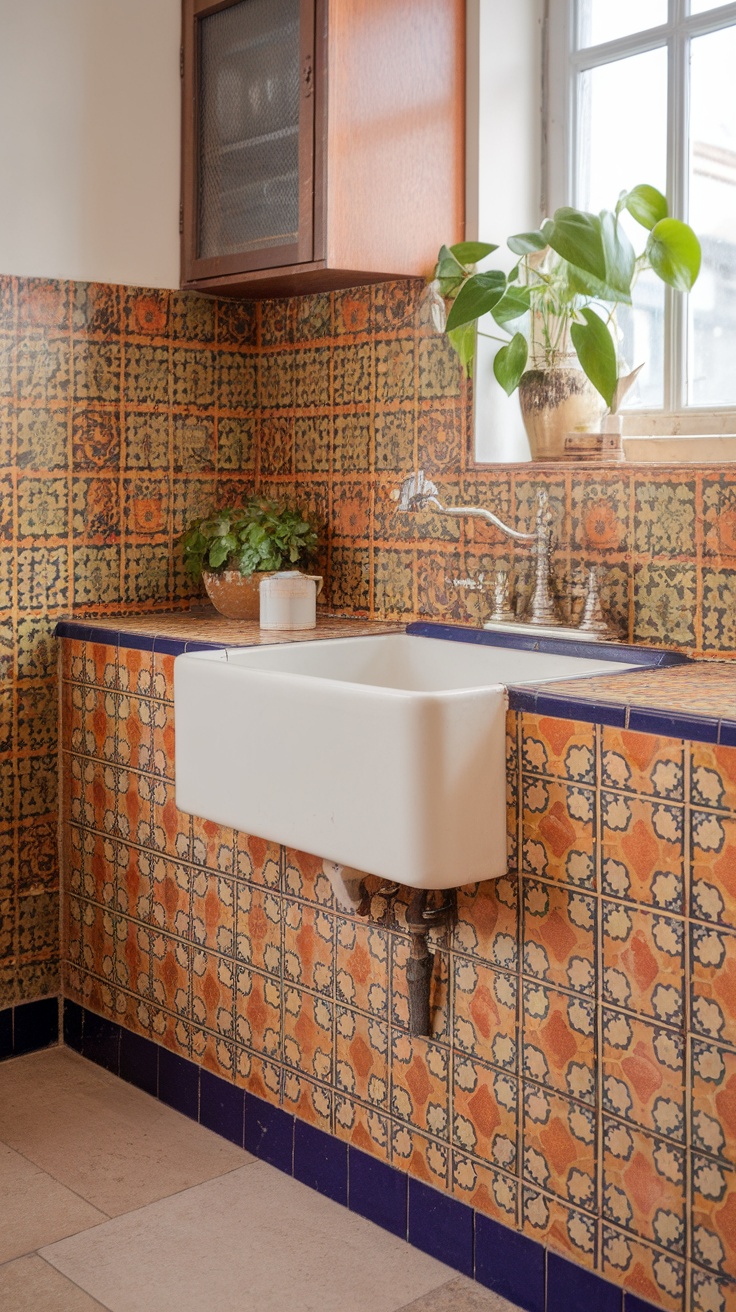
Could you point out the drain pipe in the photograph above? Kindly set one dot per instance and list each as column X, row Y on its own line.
column 419, row 967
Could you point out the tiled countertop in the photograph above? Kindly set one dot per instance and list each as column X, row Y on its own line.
column 695, row 700
column 181, row 631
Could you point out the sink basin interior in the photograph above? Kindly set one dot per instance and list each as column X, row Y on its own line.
column 412, row 664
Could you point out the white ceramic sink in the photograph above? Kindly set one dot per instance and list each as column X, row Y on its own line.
column 383, row 753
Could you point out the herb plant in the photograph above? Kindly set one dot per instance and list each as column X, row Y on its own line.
column 564, row 289
column 261, row 535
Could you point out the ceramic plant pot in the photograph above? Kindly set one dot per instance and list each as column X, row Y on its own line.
column 555, row 402
column 233, row 594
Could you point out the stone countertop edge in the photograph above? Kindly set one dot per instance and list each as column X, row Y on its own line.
column 540, row 700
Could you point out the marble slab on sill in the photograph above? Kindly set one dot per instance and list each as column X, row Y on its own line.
column 178, row 631
column 696, row 701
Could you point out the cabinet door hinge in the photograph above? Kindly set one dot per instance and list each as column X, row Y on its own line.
column 181, row 61
column 181, row 217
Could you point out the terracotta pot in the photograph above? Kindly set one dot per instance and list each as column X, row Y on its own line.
column 235, row 595
column 555, row 402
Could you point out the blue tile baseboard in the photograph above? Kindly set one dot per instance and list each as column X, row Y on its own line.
column 29, row 1026
column 523, row 1271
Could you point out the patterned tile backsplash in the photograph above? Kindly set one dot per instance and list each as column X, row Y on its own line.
column 124, row 412
column 580, row 1079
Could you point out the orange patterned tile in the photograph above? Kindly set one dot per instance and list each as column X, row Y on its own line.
column 559, row 935
column 713, row 867
column 644, row 1186
column 559, row 1146
column 558, row 831
column 485, row 1009
column 365, row 1129
column 362, row 966
column 258, row 860
column 713, row 983
column 712, row 1211
column 653, row 1275
column 559, row 1044
column 485, row 1106
column 560, row 1227
column 308, row 1024
column 644, row 1074
column 213, row 993
column 713, row 776
column 643, row 850
column 361, row 1057
column 487, row 922
column 644, row 962
column 419, row 1155
column 642, row 763
column 309, row 1101
column 213, row 911
column 308, row 946
column 488, row 1191
column 258, row 927
column 420, row 1085
column 714, row 1100
column 555, row 747
column 258, row 1013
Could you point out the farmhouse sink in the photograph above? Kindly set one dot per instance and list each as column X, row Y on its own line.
column 385, row 754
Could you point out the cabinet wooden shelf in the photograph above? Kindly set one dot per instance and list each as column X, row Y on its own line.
column 322, row 142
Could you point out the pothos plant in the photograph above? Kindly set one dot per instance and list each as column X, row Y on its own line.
column 260, row 535
column 570, row 276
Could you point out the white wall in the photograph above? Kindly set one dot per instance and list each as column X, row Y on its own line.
column 89, row 140
column 504, row 193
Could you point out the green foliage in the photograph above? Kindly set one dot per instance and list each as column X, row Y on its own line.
column 261, row 535
column 576, row 261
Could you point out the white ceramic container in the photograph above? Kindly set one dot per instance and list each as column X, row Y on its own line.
column 386, row 753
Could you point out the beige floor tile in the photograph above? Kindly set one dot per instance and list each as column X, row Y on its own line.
column 30, row 1285
column 36, row 1209
column 251, row 1241
column 117, row 1147
column 460, row 1295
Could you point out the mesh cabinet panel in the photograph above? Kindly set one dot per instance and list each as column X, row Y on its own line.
column 249, row 78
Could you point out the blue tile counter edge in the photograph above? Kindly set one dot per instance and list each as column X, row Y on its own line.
column 533, row 1277
column 136, row 641
column 28, row 1027
column 617, row 652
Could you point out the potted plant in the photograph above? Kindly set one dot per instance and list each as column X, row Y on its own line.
column 234, row 548
column 555, row 310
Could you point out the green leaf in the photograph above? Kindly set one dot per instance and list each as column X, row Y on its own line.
column 510, row 363
column 577, row 237
column 596, row 353
column 584, row 284
column 674, row 253
column 470, row 252
column 618, row 253
column 476, row 297
column 513, row 304
column 463, row 341
column 647, row 205
column 447, row 265
column 526, row 243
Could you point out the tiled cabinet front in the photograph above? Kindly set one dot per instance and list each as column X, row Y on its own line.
column 581, row 1079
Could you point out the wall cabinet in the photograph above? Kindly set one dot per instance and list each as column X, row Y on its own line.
column 322, row 142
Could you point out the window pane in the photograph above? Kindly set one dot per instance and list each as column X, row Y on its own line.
column 713, row 216
column 702, row 6
column 623, row 142
column 602, row 20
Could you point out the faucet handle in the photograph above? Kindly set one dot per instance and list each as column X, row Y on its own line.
column 414, row 492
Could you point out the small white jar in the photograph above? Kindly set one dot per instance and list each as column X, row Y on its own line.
column 288, row 600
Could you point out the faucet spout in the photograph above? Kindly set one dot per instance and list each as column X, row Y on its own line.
column 417, row 492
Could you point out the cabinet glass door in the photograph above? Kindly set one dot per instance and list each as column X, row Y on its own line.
column 254, row 136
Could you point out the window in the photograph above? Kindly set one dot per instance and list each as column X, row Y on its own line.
column 642, row 91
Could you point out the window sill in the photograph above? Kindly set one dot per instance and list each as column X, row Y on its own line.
column 703, row 449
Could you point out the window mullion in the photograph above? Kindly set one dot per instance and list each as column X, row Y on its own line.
column 676, row 345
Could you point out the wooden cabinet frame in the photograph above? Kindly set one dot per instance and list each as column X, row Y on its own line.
column 310, row 239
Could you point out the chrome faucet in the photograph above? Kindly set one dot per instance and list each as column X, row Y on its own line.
column 418, row 493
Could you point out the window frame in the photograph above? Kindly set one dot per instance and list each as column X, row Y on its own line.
column 562, row 65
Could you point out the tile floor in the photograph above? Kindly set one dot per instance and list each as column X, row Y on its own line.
column 111, row 1200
